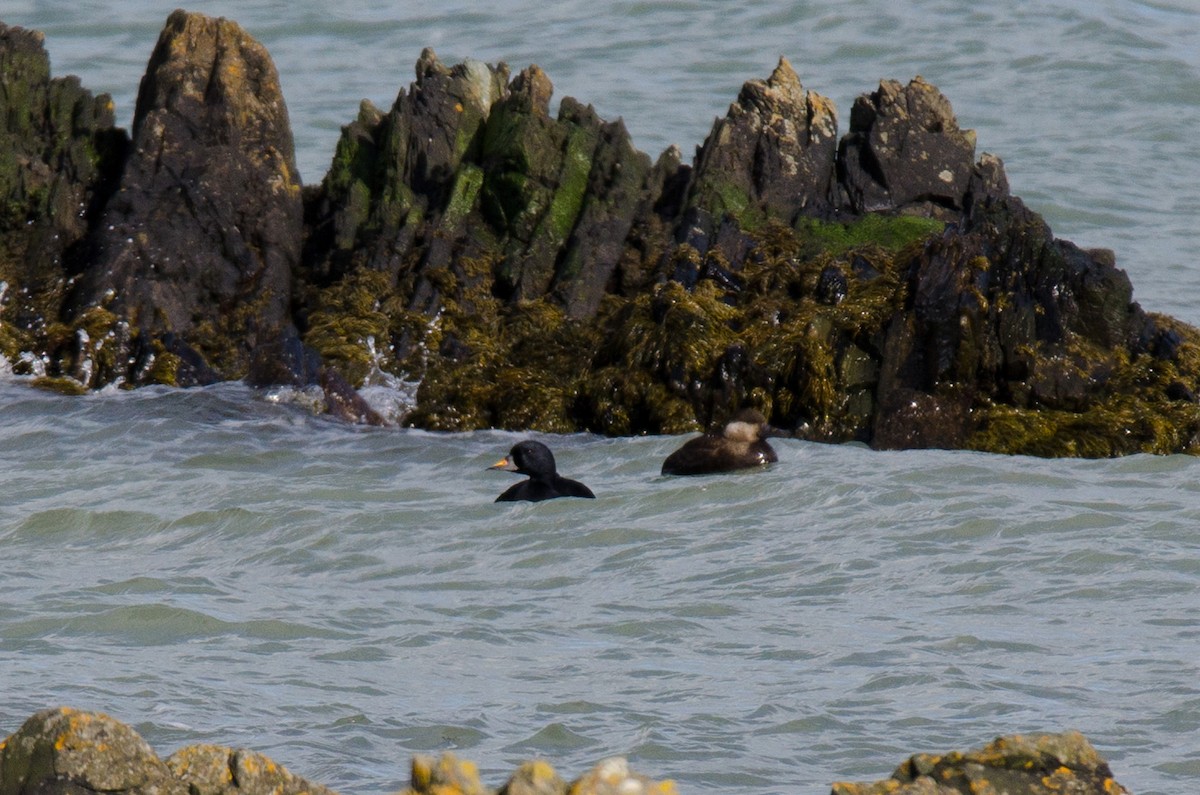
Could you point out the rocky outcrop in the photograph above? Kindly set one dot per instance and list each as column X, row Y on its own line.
column 1048, row 764
column 67, row 751
column 551, row 253
column 194, row 253
column 1004, row 319
column 535, row 271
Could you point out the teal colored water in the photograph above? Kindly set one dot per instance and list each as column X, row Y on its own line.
column 210, row 565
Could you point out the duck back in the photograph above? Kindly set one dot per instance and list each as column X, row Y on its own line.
column 538, row 489
column 708, row 454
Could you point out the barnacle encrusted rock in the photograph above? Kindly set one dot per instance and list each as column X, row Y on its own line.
column 65, row 750
column 219, row 770
column 773, row 155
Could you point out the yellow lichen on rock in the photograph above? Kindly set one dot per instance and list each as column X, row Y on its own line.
column 446, row 775
column 612, row 776
column 536, row 777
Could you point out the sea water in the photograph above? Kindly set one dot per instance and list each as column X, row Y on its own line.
column 212, row 566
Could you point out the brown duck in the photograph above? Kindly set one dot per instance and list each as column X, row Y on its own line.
column 741, row 444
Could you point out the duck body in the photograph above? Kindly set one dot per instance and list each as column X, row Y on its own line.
column 535, row 460
column 741, row 444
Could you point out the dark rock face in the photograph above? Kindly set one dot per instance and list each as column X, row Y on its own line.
column 1002, row 313
column 59, row 152
column 905, row 151
column 522, row 206
column 392, row 171
column 548, row 201
column 616, row 183
column 199, row 243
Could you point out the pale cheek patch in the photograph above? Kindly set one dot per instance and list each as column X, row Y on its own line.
column 741, row 431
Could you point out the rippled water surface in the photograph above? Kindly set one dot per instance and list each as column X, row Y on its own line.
column 209, row 566
column 213, row 567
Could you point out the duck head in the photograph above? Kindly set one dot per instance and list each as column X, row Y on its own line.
column 528, row 458
column 749, row 425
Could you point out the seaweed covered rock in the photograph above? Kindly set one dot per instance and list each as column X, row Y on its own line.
column 59, row 153
column 1065, row 763
column 1009, row 325
column 508, row 204
column 557, row 281
column 194, row 254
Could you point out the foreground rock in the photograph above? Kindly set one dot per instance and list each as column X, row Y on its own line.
column 66, row 751
column 534, row 270
column 1048, row 764
column 70, row 752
